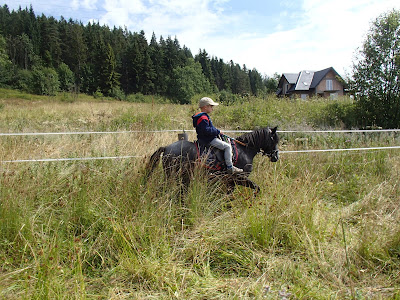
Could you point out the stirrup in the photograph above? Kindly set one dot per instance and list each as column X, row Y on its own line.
column 234, row 170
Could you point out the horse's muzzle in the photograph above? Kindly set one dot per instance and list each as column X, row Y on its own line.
column 273, row 156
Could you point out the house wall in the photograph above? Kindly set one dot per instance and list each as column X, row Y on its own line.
column 285, row 86
column 298, row 94
column 337, row 87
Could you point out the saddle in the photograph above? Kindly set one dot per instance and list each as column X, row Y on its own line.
column 213, row 158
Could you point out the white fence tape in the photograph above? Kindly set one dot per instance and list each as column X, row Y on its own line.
column 339, row 150
column 84, row 132
column 191, row 130
column 69, row 159
column 137, row 156
column 340, row 131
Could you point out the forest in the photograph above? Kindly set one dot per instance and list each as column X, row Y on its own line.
column 44, row 55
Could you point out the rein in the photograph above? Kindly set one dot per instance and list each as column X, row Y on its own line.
column 239, row 142
column 244, row 144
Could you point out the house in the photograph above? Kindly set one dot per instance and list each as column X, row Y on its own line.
column 325, row 83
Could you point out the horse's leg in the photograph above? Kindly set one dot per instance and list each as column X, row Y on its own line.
column 180, row 170
column 231, row 180
column 240, row 179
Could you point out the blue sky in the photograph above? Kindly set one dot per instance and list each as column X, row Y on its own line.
column 272, row 36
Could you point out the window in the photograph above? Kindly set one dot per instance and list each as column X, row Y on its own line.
column 329, row 85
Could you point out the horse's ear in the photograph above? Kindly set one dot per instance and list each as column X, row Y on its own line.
column 273, row 131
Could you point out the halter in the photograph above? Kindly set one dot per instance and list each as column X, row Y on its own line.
column 271, row 154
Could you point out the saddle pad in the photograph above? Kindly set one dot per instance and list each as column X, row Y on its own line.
column 213, row 158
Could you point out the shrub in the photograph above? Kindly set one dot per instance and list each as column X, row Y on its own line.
column 98, row 94
column 228, row 98
column 45, row 81
column 138, row 97
column 23, row 80
column 66, row 77
column 117, row 93
column 340, row 113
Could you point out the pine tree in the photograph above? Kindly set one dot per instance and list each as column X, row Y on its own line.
column 205, row 63
column 240, row 80
column 133, row 65
column 50, row 48
column 5, row 21
column 110, row 78
column 74, row 48
column 256, row 82
column 21, row 52
column 156, row 55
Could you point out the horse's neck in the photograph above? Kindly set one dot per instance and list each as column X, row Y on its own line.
column 246, row 154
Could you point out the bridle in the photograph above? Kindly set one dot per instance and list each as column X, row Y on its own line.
column 270, row 154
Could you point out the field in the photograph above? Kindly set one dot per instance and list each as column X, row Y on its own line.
column 324, row 226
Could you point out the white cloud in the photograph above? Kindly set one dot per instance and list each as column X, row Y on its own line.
column 85, row 4
column 327, row 34
column 186, row 19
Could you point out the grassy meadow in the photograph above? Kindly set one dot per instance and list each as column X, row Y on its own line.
column 324, row 226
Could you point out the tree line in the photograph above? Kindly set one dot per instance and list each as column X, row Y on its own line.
column 43, row 55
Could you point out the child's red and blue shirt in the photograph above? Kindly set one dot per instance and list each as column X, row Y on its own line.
column 205, row 129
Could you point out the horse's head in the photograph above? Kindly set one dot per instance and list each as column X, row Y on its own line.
column 263, row 141
column 270, row 147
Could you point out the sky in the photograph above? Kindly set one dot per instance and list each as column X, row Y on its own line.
column 271, row 36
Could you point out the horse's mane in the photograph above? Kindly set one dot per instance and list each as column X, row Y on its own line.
column 256, row 138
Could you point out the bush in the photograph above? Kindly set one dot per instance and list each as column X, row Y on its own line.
column 138, row 97
column 98, row 94
column 66, row 77
column 339, row 114
column 228, row 98
column 117, row 93
column 45, row 81
column 23, row 80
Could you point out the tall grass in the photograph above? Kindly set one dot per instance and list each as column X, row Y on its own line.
column 324, row 226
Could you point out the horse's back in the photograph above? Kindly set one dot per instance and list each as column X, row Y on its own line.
column 184, row 149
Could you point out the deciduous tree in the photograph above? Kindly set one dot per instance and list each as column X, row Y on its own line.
column 376, row 73
column 188, row 81
column 5, row 63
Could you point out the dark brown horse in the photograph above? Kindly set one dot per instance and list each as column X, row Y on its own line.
column 181, row 157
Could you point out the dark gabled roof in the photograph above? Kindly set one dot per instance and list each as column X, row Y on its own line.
column 292, row 88
column 319, row 75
